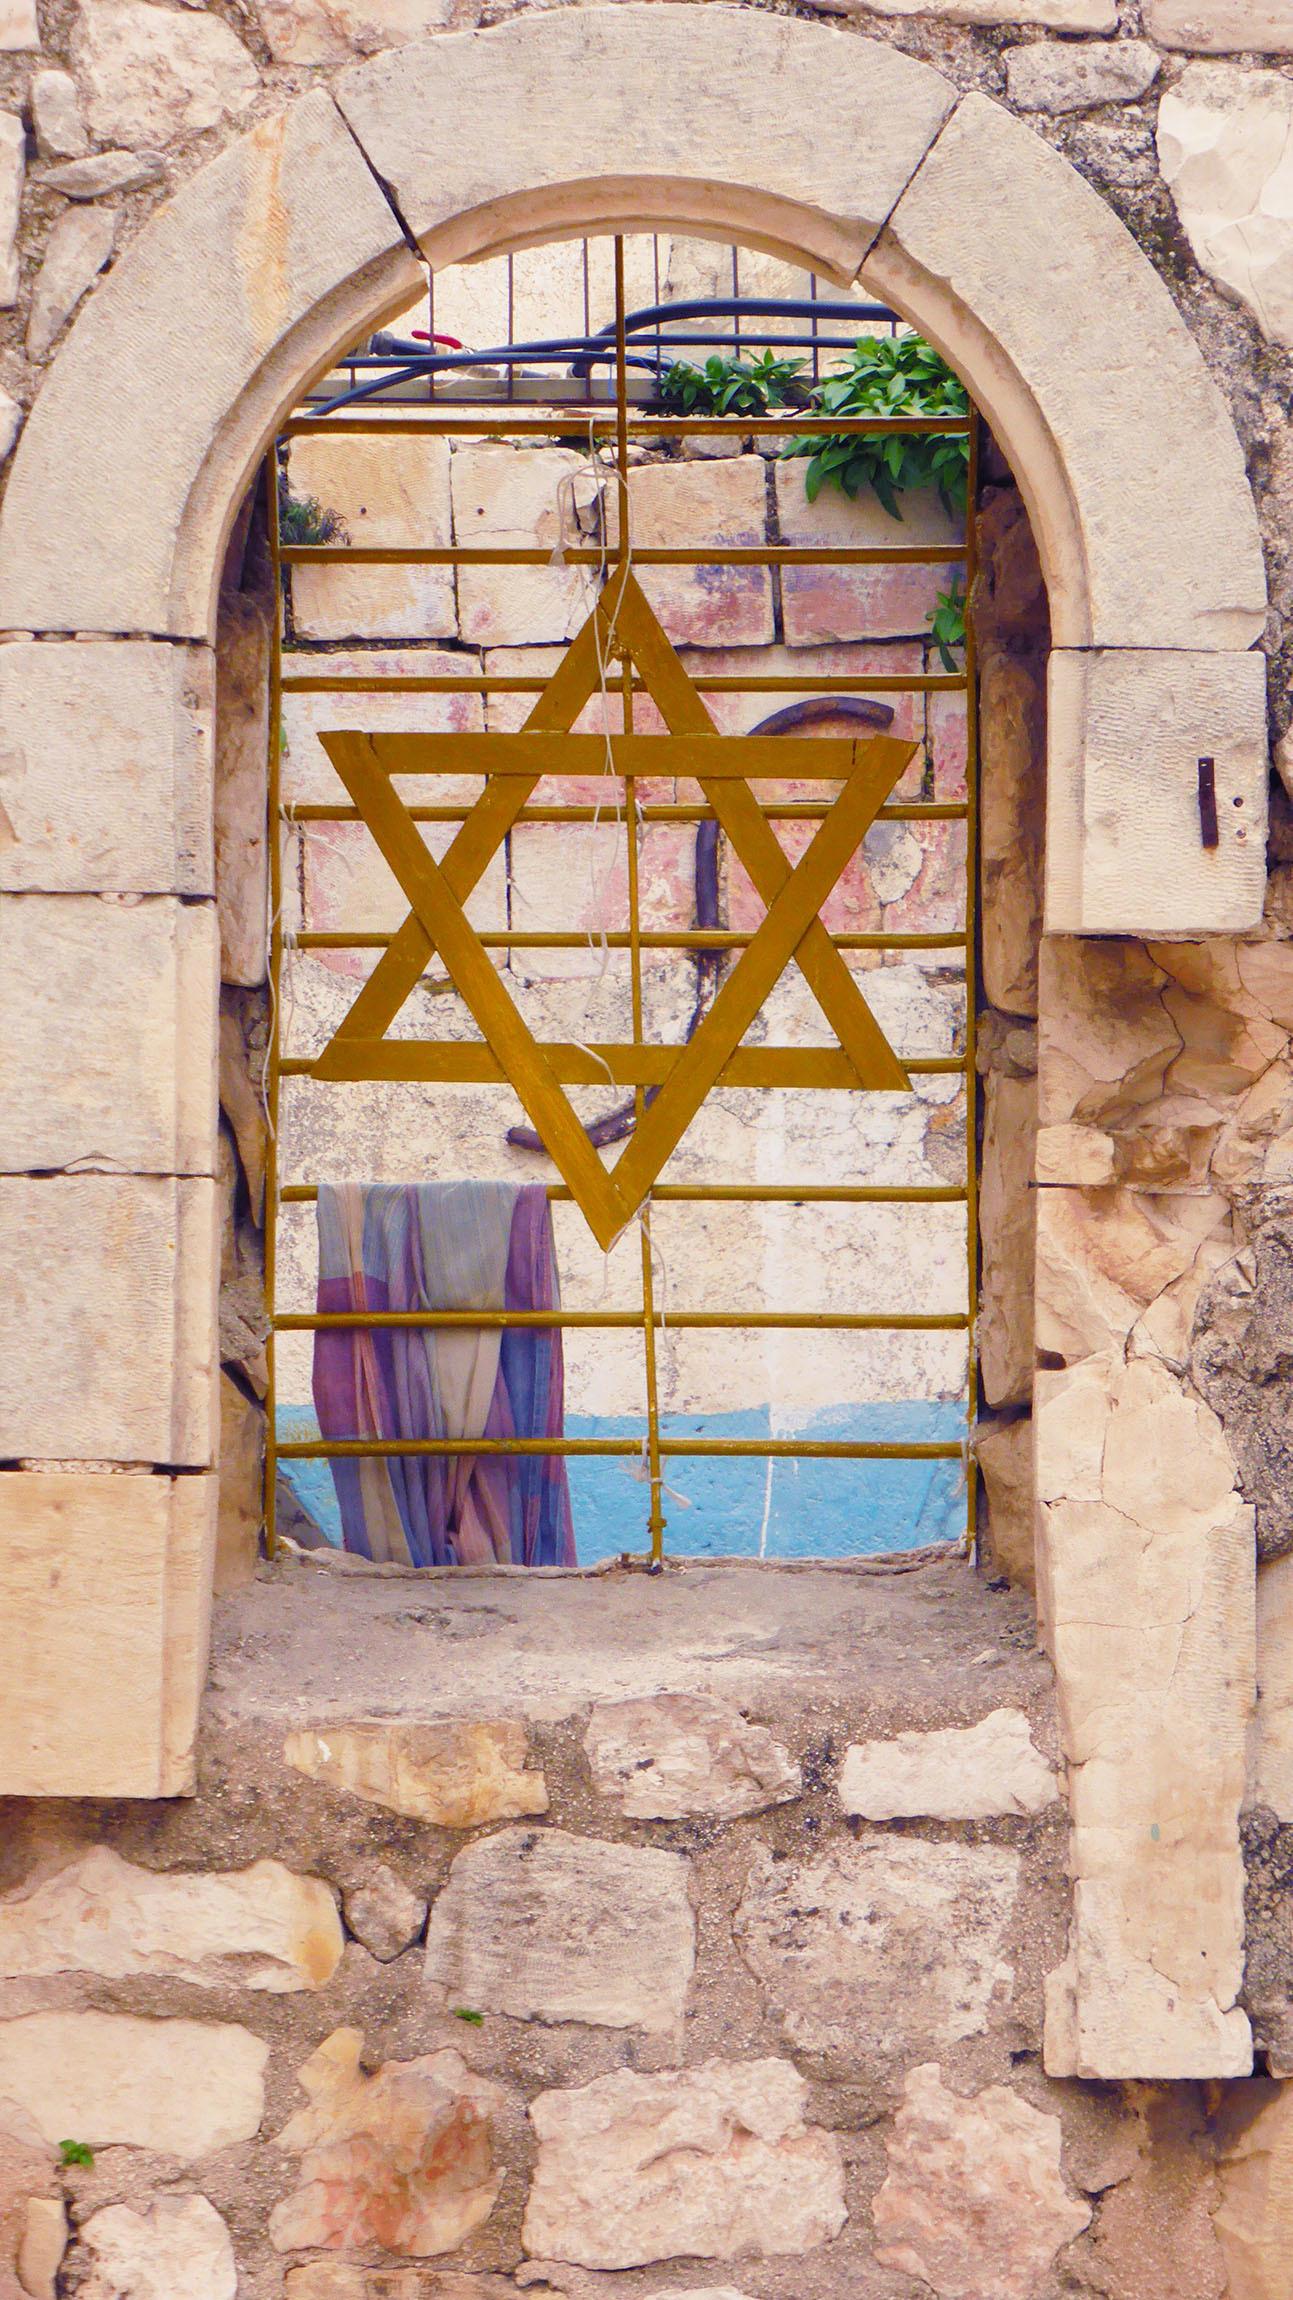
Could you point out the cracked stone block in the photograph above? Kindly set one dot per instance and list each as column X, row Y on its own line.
column 509, row 498
column 56, row 116
column 180, row 2088
column 179, row 2244
column 1114, row 1261
column 687, row 505
column 1222, row 132
column 960, row 1773
column 107, row 1287
column 1220, row 26
column 76, row 251
column 1254, row 2215
column 307, row 772
column 1008, row 1224
column 256, row 1928
column 974, row 2200
column 457, row 1773
column 105, row 1598
column 1012, row 763
column 149, row 75
column 105, row 768
column 825, row 603
column 336, row 31
column 13, row 149
column 715, row 2162
column 1045, row 76
column 1004, row 1450
column 681, row 1753
column 128, row 992
column 552, row 1927
column 888, row 1938
column 403, row 2158
column 384, row 1915
column 387, row 492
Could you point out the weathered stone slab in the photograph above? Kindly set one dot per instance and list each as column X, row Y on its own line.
column 1046, row 76
column 105, row 1589
column 509, row 498
column 44, row 2242
column 476, row 121
column 684, row 506
column 1272, row 1777
column 1007, row 1210
column 1115, row 1260
column 1146, row 1575
column 1004, row 1451
column 889, row 1938
column 104, row 174
column 150, row 75
column 1254, row 2214
column 105, row 768
column 1217, row 27
column 178, row 2245
column 963, row 1773
column 342, row 2280
column 715, row 2162
column 250, row 275
column 56, row 116
column 13, row 146
column 1137, row 554
column 974, row 2200
column 76, row 251
column 1012, row 784
column 1056, row 15
column 553, row 1927
column 27, row 2166
column 256, row 1928
column 384, row 1914
column 178, row 2087
column 107, row 1284
column 387, row 492
column 244, row 638
column 128, row 994
column 456, row 1772
column 831, row 603
column 336, row 31
column 306, row 770
column 403, row 2158
column 681, row 1753
column 1222, row 137
column 18, row 25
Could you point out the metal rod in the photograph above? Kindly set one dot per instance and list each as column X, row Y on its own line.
column 483, row 683
column 695, row 938
column 972, row 924
column 674, row 1321
column 794, row 424
column 805, row 810
column 774, row 1449
column 273, row 1052
column 646, row 555
column 741, row 1193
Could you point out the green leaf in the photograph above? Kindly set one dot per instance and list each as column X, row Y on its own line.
column 473, row 2019
column 76, row 2152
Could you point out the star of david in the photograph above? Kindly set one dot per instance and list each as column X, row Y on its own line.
column 724, row 766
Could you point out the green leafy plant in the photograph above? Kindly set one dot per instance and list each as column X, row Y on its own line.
column 76, row 2152
column 898, row 375
column 733, row 386
column 473, row 2019
column 303, row 519
column 947, row 625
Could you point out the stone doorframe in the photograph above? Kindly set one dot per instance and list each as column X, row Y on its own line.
column 849, row 158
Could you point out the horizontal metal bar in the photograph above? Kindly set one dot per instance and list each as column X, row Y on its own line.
column 469, row 1062
column 685, row 1321
column 644, row 555
column 913, row 811
column 582, row 419
column 773, row 1449
column 497, row 683
column 653, row 811
column 740, row 1193
column 698, row 938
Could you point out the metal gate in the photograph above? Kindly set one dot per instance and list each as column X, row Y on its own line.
column 726, row 787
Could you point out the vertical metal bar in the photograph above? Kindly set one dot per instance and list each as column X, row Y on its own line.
column 656, row 1520
column 736, row 291
column 511, row 323
column 273, row 1051
column 971, row 980
column 817, row 357
column 431, row 327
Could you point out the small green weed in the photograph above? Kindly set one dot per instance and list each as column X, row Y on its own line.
column 898, row 375
column 733, row 386
column 76, row 2152
column 947, row 625
column 473, row 2019
column 303, row 519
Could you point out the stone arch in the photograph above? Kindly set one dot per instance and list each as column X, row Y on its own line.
column 836, row 151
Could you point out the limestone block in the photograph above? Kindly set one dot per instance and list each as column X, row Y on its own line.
column 1110, row 1261
column 1124, row 853
column 1105, row 1037
column 307, row 772
column 107, row 1300
column 1008, row 1225
column 256, row 1928
column 1272, row 1774
column 1004, row 1451
column 44, row 2242
column 1046, row 76
column 679, row 1753
column 179, row 2244
column 715, row 2162
column 1146, row 1579
column 250, row 276
column 974, row 2200
column 106, row 1598
column 150, row 75
column 18, row 25
column 76, row 251
column 1256, row 2181
column 12, row 167
column 1056, row 15
column 553, row 1927
column 1136, row 553
column 388, row 492
column 242, row 1482
column 403, row 2158
column 105, row 173
column 178, row 2087
column 827, row 603
column 686, row 505
column 105, row 768
column 1080, row 1155
column 889, row 1938
column 1012, row 811
column 461, row 127
column 1216, row 27
column 27, row 2164
column 244, row 640
column 457, row 1773
column 127, row 993
column 384, row 1915
column 963, row 1773
column 508, row 498
column 343, row 2280
column 336, row 31
column 1222, row 136
column 56, row 117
